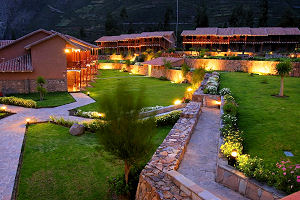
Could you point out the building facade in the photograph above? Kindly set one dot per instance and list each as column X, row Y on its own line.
column 137, row 43
column 243, row 39
column 66, row 63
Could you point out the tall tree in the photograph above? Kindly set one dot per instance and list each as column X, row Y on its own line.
column 123, row 14
column 111, row 26
column 167, row 18
column 125, row 135
column 201, row 19
column 241, row 16
column 283, row 70
column 264, row 10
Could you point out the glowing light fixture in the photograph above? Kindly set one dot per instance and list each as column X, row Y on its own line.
column 27, row 121
column 177, row 102
column 271, row 52
column 67, row 51
column 189, row 89
column 88, row 93
column 218, row 102
column 234, row 153
column 205, row 56
column 3, row 108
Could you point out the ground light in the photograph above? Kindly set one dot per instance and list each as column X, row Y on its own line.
column 177, row 102
column 189, row 89
column 88, row 93
column 27, row 121
column 3, row 108
column 232, row 157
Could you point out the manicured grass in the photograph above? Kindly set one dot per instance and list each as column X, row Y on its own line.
column 51, row 99
column 271, row 124
column 58, row 166
column 5, row 114
column 157, row 92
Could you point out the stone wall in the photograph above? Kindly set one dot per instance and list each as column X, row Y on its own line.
column 249, row 66
column 28, row 86
column 238, row 182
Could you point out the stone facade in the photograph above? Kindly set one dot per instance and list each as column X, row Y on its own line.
column 28, row 86
column 154, row 182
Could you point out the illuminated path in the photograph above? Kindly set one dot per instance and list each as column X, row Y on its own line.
column 199, row 163
column 12, row 131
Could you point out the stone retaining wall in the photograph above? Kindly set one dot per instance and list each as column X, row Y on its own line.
column 163, row 110
column 28, row 86
column 154, row 182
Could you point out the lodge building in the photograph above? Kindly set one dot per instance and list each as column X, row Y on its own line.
column 67, row 63
column 243, row 39
column 137, row 43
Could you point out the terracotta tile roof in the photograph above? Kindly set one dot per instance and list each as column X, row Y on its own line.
column 160, row 61
column 81, row 42
column 262, row 31
column 19, row 64
column 134, row 36
column 5, row 42
column 25, row 36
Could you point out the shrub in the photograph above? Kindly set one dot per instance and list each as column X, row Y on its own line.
column 197, row 77
column 185, row 69
column 228, row 98
column 40, row 81
column 230, row 108
column 28, row 103
column 229, row 120
column 225, row 91
column 211, row 89
column 168, row 119
column 229, row 146
column 89, row 114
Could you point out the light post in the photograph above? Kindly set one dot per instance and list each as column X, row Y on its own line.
column 232, row 157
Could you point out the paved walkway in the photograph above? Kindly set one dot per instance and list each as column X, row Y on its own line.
column 199, row 162
column 12, row 130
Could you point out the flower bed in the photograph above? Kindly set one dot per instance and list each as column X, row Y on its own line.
column 284, row 175
column 18, row 102
column 212, row 84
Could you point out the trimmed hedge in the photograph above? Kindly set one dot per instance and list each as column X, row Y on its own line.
column 18, row 102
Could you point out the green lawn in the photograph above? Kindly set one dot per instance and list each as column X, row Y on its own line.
column 59, row 166
column 271, row 124
column 157, row 92
column 52, row 99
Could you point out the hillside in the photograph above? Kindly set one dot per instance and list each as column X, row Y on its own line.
column 86, row 19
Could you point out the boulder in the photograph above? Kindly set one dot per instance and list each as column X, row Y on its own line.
column 77, row 129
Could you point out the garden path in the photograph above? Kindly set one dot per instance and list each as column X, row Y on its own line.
column 200, row 160
column 12, row 131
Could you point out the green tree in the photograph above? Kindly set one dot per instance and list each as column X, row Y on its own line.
column 185, row 70
column 201, row 19
column 283, row 70
column 40, row 81
column 241, row 16
column 125, row 135
column 197, row 77
column 263, row 19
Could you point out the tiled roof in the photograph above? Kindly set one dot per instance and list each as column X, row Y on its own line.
column 5, row 42
column 134, row 36
column 262, row 31
column 19, row 64
column 160, row 61
column 84, row 43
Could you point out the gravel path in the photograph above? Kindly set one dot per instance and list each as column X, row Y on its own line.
column 12, row 130
column 199, row 162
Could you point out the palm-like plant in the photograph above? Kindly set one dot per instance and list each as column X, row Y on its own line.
column 40, row 87
column 283, row 70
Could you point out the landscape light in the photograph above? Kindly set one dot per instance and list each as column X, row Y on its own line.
column 232, row 157
column 234, row 153
column 3, row 108
column 100, row 114
column 189, row 89
column 218, row 102
column 27, row 121
column 177, row 102
column 88, row 93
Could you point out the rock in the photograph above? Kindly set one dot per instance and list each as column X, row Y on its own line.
column 77, row 129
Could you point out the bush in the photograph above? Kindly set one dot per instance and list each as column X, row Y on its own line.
column 197, row 77
column 185, row 69
column 228, row 98
column 230, row 108
column 225, row 91
column 28, row 103
column 117, row 184
column 229, row 146
column 211, row 89
column 229, row 120
column 168, row 119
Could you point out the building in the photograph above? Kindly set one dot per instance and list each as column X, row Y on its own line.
column 243, row 39
column 66, row 62
column 137, row 42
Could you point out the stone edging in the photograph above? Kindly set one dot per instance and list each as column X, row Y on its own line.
column 163, row 110
column 237, row 181
column 155, row 181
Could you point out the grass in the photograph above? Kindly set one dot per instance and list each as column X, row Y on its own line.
column 4, row 114
column 270, row 124
column 51, row 99
column 157, row 92
column 59, row 166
